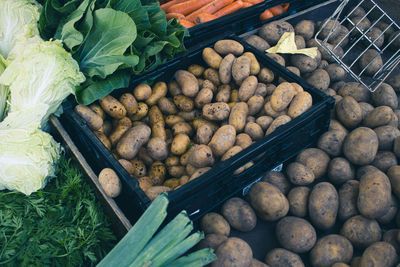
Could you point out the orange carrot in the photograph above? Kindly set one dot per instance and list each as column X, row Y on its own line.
column 210, row 8
column 185, row 23
column 171, row 3
column 188, row 7
column 246, row 4
column 204, row 17
column 285, row 6
column 255, row 2
column 175, row 16
column 277, row 10
column 235, row 6
column 267, row 14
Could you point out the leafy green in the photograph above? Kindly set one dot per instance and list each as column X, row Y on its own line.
column 62, row 225
column 18, row 18
column 4, row 92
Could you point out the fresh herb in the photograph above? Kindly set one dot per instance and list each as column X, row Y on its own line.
column 62, row 225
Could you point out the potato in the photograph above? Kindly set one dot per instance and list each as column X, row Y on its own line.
column 197, row 172
column 238, row 115
column 157, row 172
column 361, row 231
column 272, row 31
column 257, row 263
column 305, row 28
column 282, row 257
column 277, row 179
column 211, row 57
column 255, row 104
column 184, row 180
column 378, row 117
column 239, row 214
column 234, row 252
column 254, row 131
column 364, row 170
column 225, row 69
column 176, row 171
column 319, row 79
column 391, row 238
column 196, row 70
column 241, row 69
column 315, row 159
column 154, row 191
column 172, row 183
column 261, row 90
column 340, row 171
column 282, row 96
column 254, row 66
column 375, row 35
column 182, row 128
column 335, row 72
column 106, row 142
column 266, row 76
column 277, row 58
column 123, row 126
column 128, row 166
column 145, row 183
column 171, row 120
column 385, row 95
column 180, row 144
column 167, row 106
column 201, row 156
column 329, row 29
column 139, row 168
column 296, row 234
column 142, row 111
column 157, row 148
column 217, row 111
column 98, row 110
column 323, row 205
column 110, row 182
column 379, row 254
column 386, row 136
column 258, row 42
column 279, row 121
column 159, row 90
column 223, row 139
column 107, row 127
column 391, row 213
column 204, row 134
column 384, row 160
column 268, row 201
column 360, row 146
column 213, row 223
column 349, row 112
column 356, row 90
column 330, row 249
column 394, row 81
column 174, row 89
column 298, row 201
column 362, row 23
column 299, row 174
column 142, row 92
column 331, row 142
column 184, row 103
column 144, row 156
column 225, row 47
column 374, row 195
column 323, row 64
column 264, row 122
column 187, row 82
column 394, row 176
column 300, row 104
column 243, row 140
column 271, row 112
column 211, row 241
column 365, row 109
column 93, row 120
column 130, row 143
column 247, row 88
column 212, row 75
column 348, row 194
column 342, row 38
column 305, row 63
column 189, row 115
column 370, row 62
column 395, row 39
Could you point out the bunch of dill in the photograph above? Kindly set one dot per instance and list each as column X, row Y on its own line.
column 61, row 225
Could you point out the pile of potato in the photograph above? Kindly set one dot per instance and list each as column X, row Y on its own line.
column 170, row 134
column 334, row 205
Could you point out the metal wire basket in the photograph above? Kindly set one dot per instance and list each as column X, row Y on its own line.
column 358, row 40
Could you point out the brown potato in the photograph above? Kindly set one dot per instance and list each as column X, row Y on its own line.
column 373, row 60
column 238, row 115
column 157, row 172
column 223, row 139
column 258, row 42
column 360, row 146
column 167, row 106
column 225, row 69
column 154, row 191
column 375, row 194
column 98, row 110
column 361, row 231
column 254, row 66
column 144, row 156
column 243, row 140
column 330, row 249
column 356, row 90
column 123, row 126
column 196, row 70
column 261, row 90
column 212, row 75
column 385, row 95
column 272, row 31
column 142, row 112
column 277, row 179
column 394, row 176
column 391, row 238
column 386, row 136
column 282, row 96
column 182, row 128
column 305, row 28
column 379, row 254
column 213, row 223
column 247, row 88
column 300, row 104
column 217, row 111
column 340, row 171
column 348, row 194
column 279, row 121
column 296, row 234
column 204, row 134
column 189, row 115
column 93, row 120
column 233, row 252
column 157, row 148
column 271, row 112
column 305, row 63
column 299, row 174
column 103, row 138
column 394, row 81
column 298, row 201
column 239, row 214
column 184, row 103
column 176, row 171
column 319, row 79
column 107, row 127
column 378, row 117
column 315, row 159
column 211, row 241
column 255, row 104
column 211, row 57
column 174, row 89
column 225, row 47
column 127, row 165
column 172, row 183
column 241, row 69
column 257, row 263
column 264, row 122
column 180, row 144
column 142, row 92
column 323, row 205
column 268, row 201
column 130, row 143
column 187, row 82
column 145, row 183
column 283, row 257
column 391, row 213
column 384, row 160
column 198, row 172
column 159, row 90
column 171, row 120
column 110, row 182
column 277, row 58
column 139, row 168
column 224, row 93
column 201, row 156
column 254, row 131
column 266, row 75
column 349, row 112
column 331, row 142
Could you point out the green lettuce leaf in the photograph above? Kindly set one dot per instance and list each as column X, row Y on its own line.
column 18, row 18
column 113, row 32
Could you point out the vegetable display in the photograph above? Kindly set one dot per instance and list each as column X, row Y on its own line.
column 4, row 92
column 171, row 133
column 111, row 40
column 142, row 246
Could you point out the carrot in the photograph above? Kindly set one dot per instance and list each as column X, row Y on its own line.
column 246, row 4
column 277, row 10
column 188, row 7
column 267, row 14
column 171, row 3
column 204, row 17
column 255, row 2
column 185, row 23
column 235, row 6
column 175, row 16
column 210, row 8
column 285, row 6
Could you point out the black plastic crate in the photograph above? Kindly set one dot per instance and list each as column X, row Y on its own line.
column 214, row 187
